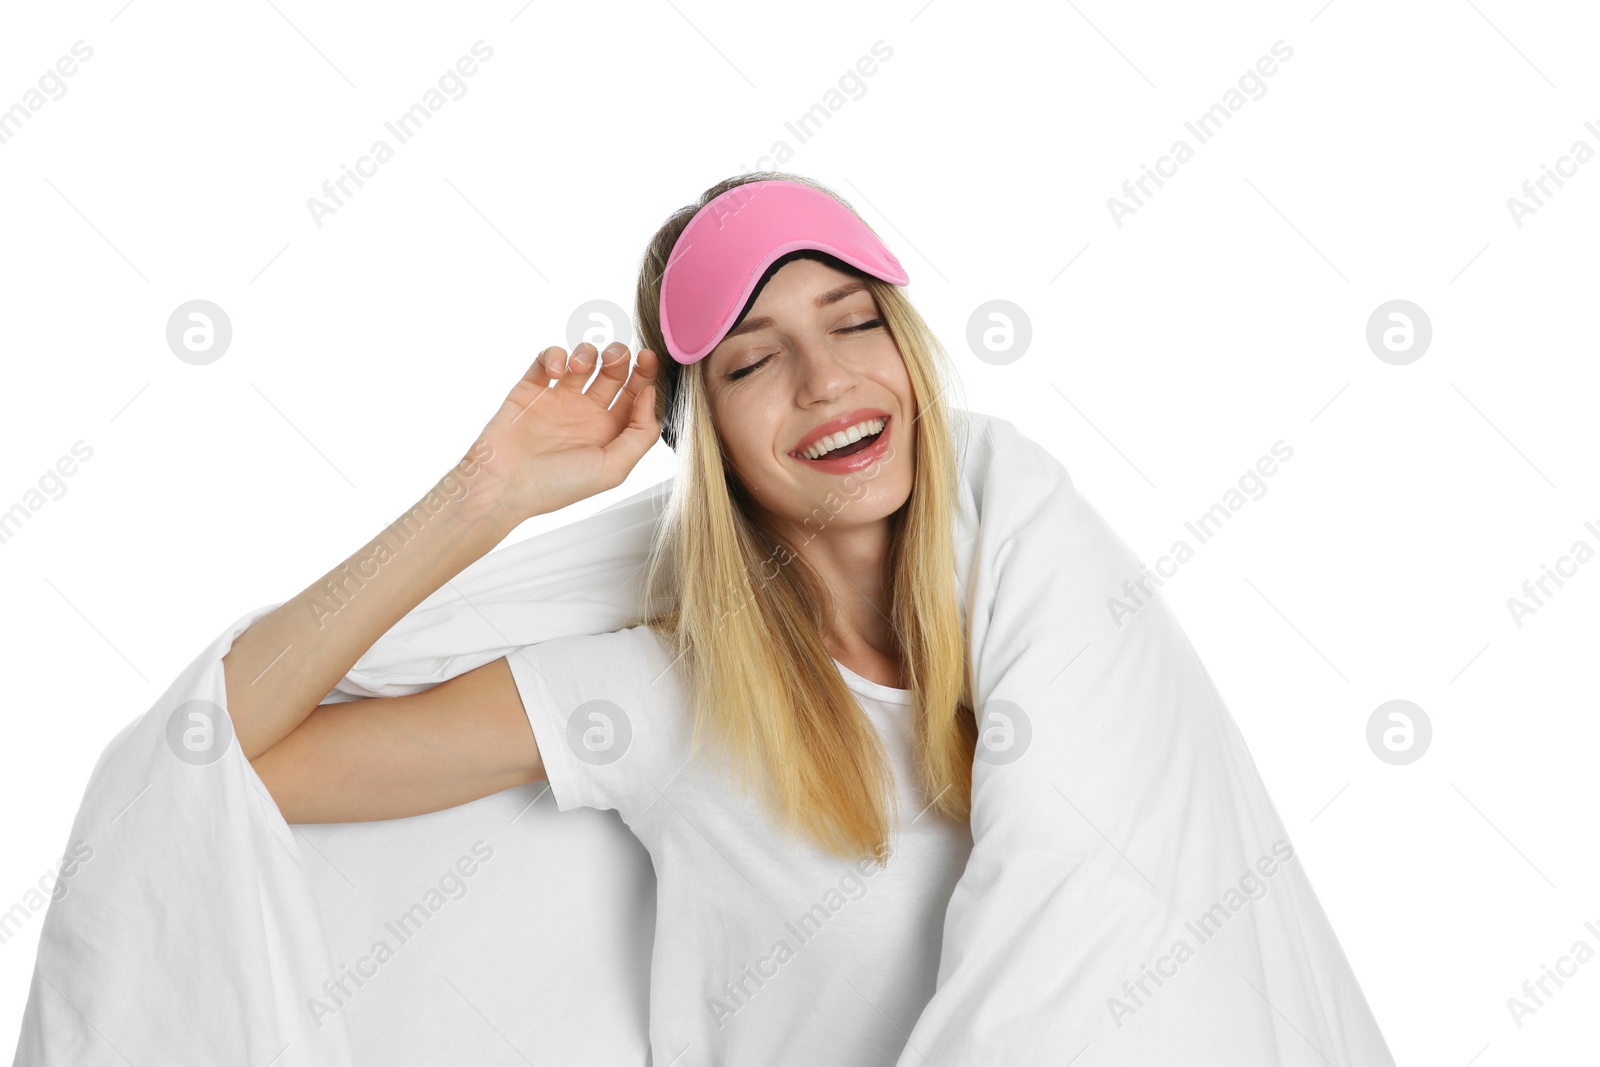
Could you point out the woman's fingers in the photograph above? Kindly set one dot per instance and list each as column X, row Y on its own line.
column 644, row 376
column 638, row 436
column 579, row 366
column 648, row 366
column 613, row 369
column 555, row 369
column 613, row 363
column 612, row 379
column 548, row 366
column 556, row 365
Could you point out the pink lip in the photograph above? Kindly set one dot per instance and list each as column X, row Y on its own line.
column 843, row 422
column 833, row 463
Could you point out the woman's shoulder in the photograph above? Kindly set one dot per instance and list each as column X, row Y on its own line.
column 608, row 714
column 633, row 659
column 641, row 639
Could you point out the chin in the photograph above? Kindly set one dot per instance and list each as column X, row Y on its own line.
column 876, row 500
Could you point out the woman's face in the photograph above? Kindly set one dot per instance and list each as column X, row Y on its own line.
column 812, row 358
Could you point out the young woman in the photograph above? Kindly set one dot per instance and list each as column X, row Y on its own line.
column 813, row 638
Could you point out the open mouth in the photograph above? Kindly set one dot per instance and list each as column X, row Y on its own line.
column 855, row 446
column 849, row 457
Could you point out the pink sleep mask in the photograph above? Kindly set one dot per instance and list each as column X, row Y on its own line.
column 731, row 241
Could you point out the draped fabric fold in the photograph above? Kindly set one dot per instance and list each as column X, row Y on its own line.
column 1132, row 897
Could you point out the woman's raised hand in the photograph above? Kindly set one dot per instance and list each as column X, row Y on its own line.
column 555, row 443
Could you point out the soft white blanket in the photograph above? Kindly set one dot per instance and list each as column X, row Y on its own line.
column 1132, row 897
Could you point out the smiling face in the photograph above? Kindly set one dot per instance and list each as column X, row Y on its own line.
column 813, row 358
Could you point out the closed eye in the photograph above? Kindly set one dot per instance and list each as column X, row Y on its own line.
column 859, row 328
column 869, row 324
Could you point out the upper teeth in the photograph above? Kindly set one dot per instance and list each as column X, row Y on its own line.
column 838, row 440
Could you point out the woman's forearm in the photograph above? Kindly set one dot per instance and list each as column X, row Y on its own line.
column 280, row 668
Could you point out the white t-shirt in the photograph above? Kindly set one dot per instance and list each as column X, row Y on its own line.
column 768, row 950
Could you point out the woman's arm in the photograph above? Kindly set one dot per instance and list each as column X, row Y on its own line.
column 551, row 443
column 390, row 757
column 285, row 663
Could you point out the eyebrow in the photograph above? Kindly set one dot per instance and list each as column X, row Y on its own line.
column 832, row 296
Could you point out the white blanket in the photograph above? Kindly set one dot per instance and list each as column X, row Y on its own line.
column 1132, row 897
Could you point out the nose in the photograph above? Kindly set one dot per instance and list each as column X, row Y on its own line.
column 821, row 373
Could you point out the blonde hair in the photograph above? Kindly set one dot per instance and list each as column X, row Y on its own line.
column 749, row 613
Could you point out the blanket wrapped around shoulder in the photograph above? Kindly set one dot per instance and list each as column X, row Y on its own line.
column 1132, row 897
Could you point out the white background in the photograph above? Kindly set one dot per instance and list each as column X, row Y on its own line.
column 1228, row 313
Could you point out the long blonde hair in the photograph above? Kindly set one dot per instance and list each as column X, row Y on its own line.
column 749, row 613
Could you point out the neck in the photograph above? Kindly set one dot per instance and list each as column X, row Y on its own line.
column 852, row 562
